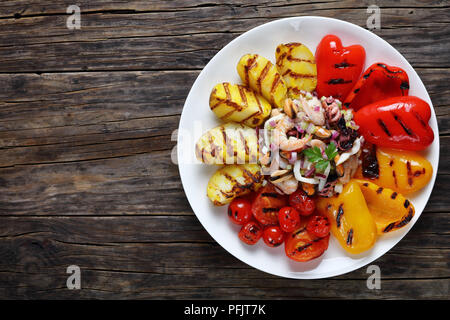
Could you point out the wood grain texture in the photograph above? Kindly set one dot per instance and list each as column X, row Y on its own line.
column 192, row 34
column 86, row 123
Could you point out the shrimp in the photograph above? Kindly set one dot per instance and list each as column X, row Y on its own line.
column 287, row 186
column 285, row 143
column 318, row 143
column 293, row 144
column 315, row 113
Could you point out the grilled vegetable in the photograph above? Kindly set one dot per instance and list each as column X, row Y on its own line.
column 297, row 65
column 369, row 163
column 389, row 209
column 351, row 222
column 233, row 102
column 262, row 76
column 232, row 181
column 228, row 143
column 402, row 171
column 379, row 81
column 266, row 205
column 302, row 245
column 399, row 122
column 338, row 67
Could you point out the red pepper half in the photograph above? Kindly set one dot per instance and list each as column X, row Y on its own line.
column 379, row 82
column 338, row 67
column 398, row 122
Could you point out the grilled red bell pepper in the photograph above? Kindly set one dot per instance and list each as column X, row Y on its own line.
column 338, row 67
column 398, row 122
column 379, row 82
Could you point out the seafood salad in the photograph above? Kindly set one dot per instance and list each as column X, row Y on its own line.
column 316, row 145
column 312, row 143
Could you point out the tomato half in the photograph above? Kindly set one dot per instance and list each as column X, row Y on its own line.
column 240, row 211
column 266, row 205
column 304, row 204
column 302, row 246
column 318, row 226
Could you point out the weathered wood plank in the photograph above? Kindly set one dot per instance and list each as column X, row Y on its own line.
column 117, row 129
column 46, row 100
column 76, row 110
column 430, row 232
column 150, row 256
column 102, row 284
column 121, row 185
column 85, row 156
column 20, row 8
column 191, row 37
column 65, row 118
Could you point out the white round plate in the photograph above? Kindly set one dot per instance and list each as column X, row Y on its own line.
column 197, row 118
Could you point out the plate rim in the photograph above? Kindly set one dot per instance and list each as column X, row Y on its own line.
column 358, row 264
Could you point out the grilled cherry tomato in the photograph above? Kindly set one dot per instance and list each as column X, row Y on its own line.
column 300, row 201
column 318, row 226
column 240, row 211
column 250, row 232
column 380, row 81
column 266, row 205
column 302, row 246
column 399, row 122
column 289, row 219
column 273, row 236
column 338, row 67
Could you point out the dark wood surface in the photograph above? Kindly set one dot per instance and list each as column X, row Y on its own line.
column 86, row 118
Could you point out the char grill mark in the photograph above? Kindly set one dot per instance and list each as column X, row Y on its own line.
column 384, row 127
column 339, row 215
column 350, row 237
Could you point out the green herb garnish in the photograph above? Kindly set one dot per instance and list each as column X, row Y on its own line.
column 331, row 151
column 315, row 156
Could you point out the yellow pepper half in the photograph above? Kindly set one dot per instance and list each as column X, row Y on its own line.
column 402, row 171
column 389, row 209
column 351, row 222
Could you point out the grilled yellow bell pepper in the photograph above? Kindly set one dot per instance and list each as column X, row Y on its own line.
column 389, row 209
column 402, row 171
column 350, row 219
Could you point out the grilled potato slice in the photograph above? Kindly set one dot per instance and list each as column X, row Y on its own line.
column 262, row 76
column 230, row 143
column 297, row 65
column 232, row 181
column 233, row 102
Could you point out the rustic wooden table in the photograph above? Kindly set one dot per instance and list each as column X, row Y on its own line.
column 86, row 118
